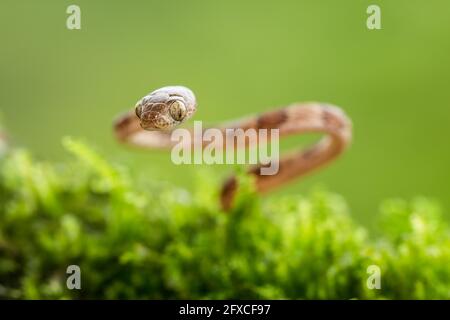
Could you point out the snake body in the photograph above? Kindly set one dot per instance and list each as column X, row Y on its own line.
column 150, row 125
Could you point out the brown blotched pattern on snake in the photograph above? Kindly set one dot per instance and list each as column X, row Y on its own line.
column 155, row 115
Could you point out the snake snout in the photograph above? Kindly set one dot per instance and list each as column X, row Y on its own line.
column 152, row 120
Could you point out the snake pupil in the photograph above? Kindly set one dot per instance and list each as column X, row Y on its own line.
column 177, row 110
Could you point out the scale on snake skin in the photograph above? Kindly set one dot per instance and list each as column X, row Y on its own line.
column 149, row 126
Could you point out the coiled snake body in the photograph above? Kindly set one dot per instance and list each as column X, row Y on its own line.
column 155, row 115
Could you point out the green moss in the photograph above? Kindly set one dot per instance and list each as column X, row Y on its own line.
column 135, row 240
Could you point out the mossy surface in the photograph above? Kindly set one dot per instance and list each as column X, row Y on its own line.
column 136, row 240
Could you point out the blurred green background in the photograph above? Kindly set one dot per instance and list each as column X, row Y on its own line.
column 240, row 57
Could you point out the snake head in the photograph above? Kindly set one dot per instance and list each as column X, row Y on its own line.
column 166, row 108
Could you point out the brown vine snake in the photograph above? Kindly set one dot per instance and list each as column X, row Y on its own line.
column 156, row 114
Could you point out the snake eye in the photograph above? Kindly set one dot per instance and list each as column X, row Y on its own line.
column 138, row 108
column 177, row 110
